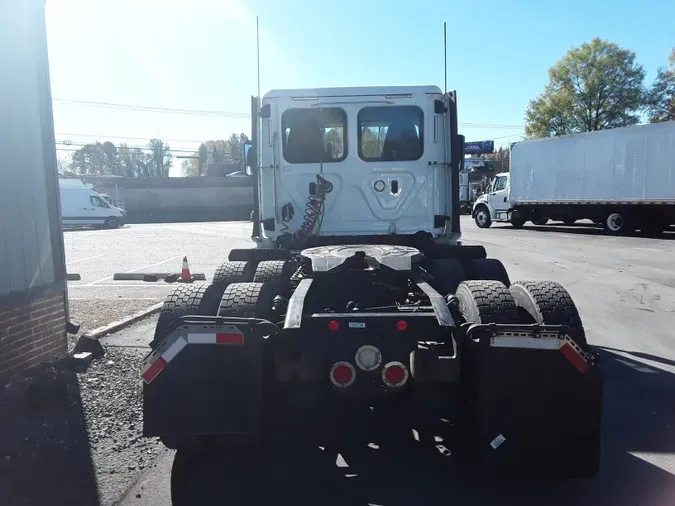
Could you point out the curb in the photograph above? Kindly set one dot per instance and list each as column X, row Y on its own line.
column 125, row 322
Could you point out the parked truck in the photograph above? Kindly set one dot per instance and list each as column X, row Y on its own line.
column 622, row 179
column 359, row 302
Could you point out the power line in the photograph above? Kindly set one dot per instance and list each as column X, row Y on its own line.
column 216, row 113
column 144, row 108
column 127, row 137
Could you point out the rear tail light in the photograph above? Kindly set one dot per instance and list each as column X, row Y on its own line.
column 394, row 374
column 342, row 374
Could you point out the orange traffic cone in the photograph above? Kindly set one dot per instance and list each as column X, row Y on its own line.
column 185, row 275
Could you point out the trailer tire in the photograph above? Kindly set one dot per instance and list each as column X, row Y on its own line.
column 486, row 301
column 616, row 223
column 278, row 272
column 234, row 272
column 248, row 300
column 489, row 269
column 482, row 217
column 201, row 300
column 548, row 303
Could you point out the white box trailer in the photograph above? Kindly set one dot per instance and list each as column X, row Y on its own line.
column 622, row 178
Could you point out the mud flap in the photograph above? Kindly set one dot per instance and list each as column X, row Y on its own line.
column 210, row 381
column 535, row 411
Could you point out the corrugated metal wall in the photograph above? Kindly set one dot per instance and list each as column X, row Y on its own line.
column 31, row 244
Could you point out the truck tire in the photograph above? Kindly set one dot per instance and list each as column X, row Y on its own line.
column 248, row 300
column 548, row 303
column 488, row 269
column 448, row 273
column 186, row 300
column 617, row 223
column 234, row 272
column 486, row 301
column 482, row 217
column 569, row 221
column 540, row 221
column 112, row 222
column 278, row 272
column 517, row 222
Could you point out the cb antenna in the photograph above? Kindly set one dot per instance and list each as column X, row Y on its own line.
column 445, row 57
column 257, row 44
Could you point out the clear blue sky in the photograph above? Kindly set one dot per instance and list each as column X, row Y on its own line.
column 200, row 54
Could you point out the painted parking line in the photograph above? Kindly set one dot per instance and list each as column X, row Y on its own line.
column 93, row 283
column 84, row 259
column 150, row 284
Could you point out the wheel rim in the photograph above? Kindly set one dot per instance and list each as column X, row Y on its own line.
column 481, row 217
column 615, row 222
column 112, row 222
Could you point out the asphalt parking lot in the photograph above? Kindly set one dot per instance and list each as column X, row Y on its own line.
column 624, row 288
column 96, row 255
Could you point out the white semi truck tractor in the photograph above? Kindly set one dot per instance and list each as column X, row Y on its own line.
column 358, row 303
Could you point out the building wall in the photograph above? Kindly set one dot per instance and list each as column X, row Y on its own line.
column 178, row 199
column 32, row 269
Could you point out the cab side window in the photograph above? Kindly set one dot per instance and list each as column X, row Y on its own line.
column 97, row 202
column 500, row 184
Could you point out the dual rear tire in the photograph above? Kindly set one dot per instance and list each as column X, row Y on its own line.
column 507, row 383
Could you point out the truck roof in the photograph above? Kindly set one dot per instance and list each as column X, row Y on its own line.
column 352, row 91
column 597, row 133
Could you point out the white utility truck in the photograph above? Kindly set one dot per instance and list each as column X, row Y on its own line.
column 359, row 312
column 622, row 178
column 81, row 205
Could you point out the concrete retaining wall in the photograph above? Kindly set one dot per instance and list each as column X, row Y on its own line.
column 178, row 199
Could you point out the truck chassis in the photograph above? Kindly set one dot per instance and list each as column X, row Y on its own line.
column 281, row 340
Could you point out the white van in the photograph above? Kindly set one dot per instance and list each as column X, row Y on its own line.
column 81, row 205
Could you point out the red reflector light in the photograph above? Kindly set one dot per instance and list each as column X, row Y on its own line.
column 401, row 325
column 342, row 374
column 333, row 325
column 230, row 338
column 394, row 374
column 152, row 371
column 574, row 357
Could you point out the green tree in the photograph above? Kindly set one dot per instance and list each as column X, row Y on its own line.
column 595, row 86
column 112, row 162
column 159, row 158
column 235, row 143
column 202, row 157
column 90, row 160
column 134, row 161
column 661, row 99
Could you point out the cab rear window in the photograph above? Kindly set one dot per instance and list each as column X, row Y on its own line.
column 314, row 135
column 391, row 133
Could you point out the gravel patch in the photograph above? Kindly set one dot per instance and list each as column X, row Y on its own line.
column 94, row 313
column 73, row 437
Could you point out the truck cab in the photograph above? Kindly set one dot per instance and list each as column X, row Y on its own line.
column 493, row 205
column 356, row 162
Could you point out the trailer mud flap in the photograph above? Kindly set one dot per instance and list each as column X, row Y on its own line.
column 535, row 402
column 205, row 378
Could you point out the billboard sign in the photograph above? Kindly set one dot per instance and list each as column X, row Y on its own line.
column 477, row 147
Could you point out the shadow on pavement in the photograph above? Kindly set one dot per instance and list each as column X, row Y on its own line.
column 44, row 449
column 639, row 417
column 578, row 229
